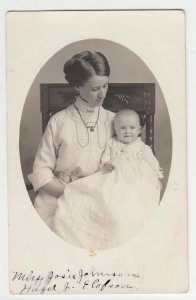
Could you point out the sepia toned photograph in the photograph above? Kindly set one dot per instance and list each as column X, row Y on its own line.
column 86, row 187
column 100, row 169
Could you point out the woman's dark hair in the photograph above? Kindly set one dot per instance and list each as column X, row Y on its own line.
column 83, row 65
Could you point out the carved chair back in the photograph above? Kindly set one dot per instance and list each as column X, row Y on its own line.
column 137, row 96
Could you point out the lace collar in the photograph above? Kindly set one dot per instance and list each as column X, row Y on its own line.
column 84, row 107
column 134, row 144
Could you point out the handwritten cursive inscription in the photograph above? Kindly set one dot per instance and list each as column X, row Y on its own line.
column 81, row 281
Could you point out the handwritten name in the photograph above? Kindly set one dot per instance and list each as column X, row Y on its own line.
column 82, row 280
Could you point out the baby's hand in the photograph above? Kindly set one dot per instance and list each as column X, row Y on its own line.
column 109, row 166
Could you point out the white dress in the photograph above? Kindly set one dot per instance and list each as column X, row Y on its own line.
column 68, row 150
column 107, row 209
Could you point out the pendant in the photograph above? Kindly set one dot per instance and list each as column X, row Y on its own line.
column 92, row 129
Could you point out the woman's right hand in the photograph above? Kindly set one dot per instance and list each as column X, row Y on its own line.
column 54, row 188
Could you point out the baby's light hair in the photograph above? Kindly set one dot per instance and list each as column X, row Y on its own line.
column 126, row 113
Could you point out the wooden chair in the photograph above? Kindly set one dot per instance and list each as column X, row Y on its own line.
column 137, row 96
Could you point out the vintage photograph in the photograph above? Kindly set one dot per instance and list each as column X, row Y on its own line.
column 100, row 166
column 95, row 172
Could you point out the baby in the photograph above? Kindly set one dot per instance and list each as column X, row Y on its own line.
column 110, row 207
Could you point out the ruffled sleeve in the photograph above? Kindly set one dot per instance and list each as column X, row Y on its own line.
column 149, row 157
column 45, row 159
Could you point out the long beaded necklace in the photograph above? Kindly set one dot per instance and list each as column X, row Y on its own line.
column 92, row 128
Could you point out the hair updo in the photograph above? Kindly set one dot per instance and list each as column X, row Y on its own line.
column 84, row 65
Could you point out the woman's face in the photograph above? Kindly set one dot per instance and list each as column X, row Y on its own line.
column 94, row 90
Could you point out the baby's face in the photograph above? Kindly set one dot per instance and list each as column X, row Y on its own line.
column 127, row 128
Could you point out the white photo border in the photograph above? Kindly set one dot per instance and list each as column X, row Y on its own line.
column 189, row 7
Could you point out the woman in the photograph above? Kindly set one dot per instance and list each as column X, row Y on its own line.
column 76, row 137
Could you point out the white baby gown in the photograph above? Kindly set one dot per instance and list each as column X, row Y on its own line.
column 106, row 209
